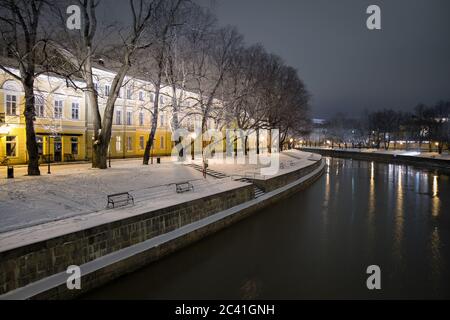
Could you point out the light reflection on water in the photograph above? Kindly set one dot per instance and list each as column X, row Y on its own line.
column 318, row 243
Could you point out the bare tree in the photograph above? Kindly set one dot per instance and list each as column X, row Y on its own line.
column 162, row 38
column 25, row 42
column 88, row 46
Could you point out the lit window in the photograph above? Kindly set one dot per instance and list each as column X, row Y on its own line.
column 58, row 109
column 75, row 111
column 11, row 143
column 118, row 143
column 40, row 144
column 11, row 105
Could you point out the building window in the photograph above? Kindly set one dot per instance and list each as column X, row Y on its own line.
column 129, row 95
column 129, row 144
column 152, row 97
column 75, row 111
column 161, row 120
column 120, row 93
column 129, row 118
column 118, row 117
column 11, row 143
column 118, row 143
column 141, row 95
column 141, row 118
column 161, row 143
column 141, row 142
column 58, row 109
column 107, row 90
column 39, row 106
column 74, row 144
column 161, row 99
column 40, row 144
column 11, row 105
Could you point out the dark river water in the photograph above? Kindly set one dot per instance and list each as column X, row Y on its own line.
column 318, row 244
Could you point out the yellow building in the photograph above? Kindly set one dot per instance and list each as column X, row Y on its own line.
column 60, row 123
column 63, row 122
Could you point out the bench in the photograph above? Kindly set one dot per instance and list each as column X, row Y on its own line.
column 117, row 198
column 184, row 186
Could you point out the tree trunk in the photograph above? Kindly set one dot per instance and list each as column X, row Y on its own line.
column 100, row 156
column 29, row 113
column 257, row 141
column 151, row 136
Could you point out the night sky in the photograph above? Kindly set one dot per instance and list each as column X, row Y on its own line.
column 346, row 67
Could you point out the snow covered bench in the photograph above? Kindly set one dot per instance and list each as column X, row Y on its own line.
column 184, row 186
column 118, row 198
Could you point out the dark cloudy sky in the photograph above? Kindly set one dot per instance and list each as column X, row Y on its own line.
column 345, row 66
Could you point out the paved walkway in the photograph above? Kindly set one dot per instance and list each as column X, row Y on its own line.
column 412, row 152
column 78, row 190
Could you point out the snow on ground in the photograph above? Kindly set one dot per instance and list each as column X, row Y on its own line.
column 412, row 152
column 78, row 193
column 77, row 189
column 288, row 160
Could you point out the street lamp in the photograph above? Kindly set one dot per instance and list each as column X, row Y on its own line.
column 109, row 154
column 48, row 154
column 291, row 141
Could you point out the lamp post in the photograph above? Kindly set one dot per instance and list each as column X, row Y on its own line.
column 109, row 154
column 48, row 154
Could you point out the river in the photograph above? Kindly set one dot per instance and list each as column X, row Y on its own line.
column 318, row 244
